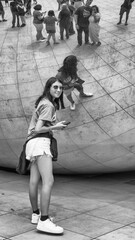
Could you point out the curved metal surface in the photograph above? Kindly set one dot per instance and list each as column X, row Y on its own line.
column 101, row 136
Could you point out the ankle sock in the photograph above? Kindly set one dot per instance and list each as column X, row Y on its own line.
column 43, row 218
column 37, row 211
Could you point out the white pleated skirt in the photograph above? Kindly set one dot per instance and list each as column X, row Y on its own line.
column 37, row 147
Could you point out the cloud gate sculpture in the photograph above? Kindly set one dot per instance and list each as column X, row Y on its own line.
column 101, row 136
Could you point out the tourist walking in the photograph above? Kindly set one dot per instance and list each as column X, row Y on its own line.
column 70, row 79
column 82, row 15
column 39, row 154
column 38, row 19
column 125, row 8
column 94, row 27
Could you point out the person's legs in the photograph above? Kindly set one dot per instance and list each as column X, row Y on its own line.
column 39, row 28
column 69, row 97
column 127, row 15
column 67, row 30
column 54, row 38
column 2, row 15
column 79, row 35
column 86, row 32
column 122, row 10
column 45, row 168
column 80, row 89
column 13, row 19
column 18, row 20
column 44, row 164
column 33, row 186
column 71, row 29
column 120, row 19
column 61, row 32
column 23, row 20
column 48, row 39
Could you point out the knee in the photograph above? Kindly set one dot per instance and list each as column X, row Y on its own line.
column 48, row 183
column 34, row 182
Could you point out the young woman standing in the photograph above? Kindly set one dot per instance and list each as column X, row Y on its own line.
column 39, row 154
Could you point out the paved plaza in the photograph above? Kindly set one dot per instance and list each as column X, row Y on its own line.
column 87, row 207
column 98, row 207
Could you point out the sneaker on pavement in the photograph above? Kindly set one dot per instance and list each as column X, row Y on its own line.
column 86, row 95
column 49, row 227
column 42, row 40
column 72, row 106
column 35, row 218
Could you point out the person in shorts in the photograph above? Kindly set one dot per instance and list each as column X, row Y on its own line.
column 38, row 152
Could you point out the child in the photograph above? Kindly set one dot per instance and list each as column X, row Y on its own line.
column 94, row 27
column 125, row 7
column 50, row 26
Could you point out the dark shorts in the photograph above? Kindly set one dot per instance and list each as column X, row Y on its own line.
column 123, row 9
column 51, row 31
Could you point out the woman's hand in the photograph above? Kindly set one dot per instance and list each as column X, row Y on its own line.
column 60, row 125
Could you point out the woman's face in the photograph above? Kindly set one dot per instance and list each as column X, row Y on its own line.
column 56, row 89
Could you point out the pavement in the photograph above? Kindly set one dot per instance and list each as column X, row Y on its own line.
column 87, row 207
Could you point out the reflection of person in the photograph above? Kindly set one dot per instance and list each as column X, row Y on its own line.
column 64, row 21
column 82, row 15
column 50, row 21
column 2, row 12
column 21, row 13
column 39, row 154
column 94, row 27
column 38, row 19
column 125, row 7
column 15, row 14
column 68, row 75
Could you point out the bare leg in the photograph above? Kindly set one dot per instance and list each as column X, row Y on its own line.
column 69, row 97
column 45, row 168
column 33, row 186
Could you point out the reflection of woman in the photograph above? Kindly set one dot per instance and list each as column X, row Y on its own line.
column 94, row 27
column 68, row 75
column 38, row 19
column 39, row 154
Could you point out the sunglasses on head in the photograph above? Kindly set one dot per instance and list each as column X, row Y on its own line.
column 56, row 87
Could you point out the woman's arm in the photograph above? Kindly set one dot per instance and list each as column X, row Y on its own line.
column 40, row 128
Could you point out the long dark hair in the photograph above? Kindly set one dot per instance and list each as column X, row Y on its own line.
column 46, row 93
column 69, row 67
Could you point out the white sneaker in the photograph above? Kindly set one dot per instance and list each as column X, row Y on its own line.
column 49, row 227
column 72, row 106
column 35, row 218
column 85, row 95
